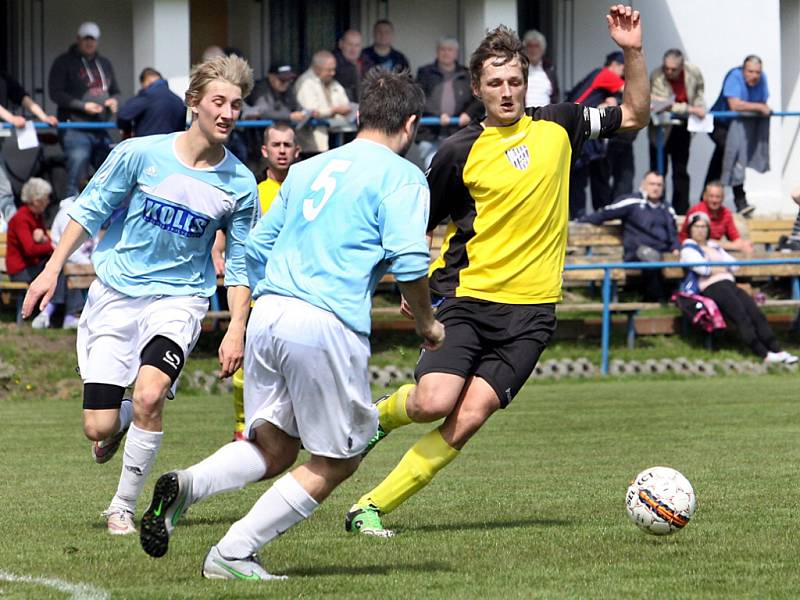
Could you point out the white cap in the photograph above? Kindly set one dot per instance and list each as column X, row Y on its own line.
column 89, row 29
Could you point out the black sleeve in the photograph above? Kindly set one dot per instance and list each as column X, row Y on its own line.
column 16, row 93
column 582, row 123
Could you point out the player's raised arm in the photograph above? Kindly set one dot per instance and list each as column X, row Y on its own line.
column 625, row 28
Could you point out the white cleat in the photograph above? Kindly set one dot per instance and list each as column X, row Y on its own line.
column 119, row 521
column 216, row 566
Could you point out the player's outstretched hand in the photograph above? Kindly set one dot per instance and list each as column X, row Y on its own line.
column 625, row 26
column 405, row 308
column 433, row 337
column 41, row 288
column 231, row 353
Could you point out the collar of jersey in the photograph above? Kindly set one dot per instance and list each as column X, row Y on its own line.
column 511, row 130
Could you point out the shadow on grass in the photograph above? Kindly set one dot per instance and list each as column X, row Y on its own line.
column 511, row 524
column 377, row 569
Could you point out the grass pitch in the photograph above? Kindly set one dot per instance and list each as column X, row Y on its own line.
column 533, row 508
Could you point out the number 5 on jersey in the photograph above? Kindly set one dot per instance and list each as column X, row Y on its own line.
column 327, row 182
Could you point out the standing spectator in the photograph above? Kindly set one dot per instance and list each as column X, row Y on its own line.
column 791, row 243
column 682, row 81
column 721, row 220
column 12, row 92
column 83, row 86
column 648, row 230
column 155, row 109
column 448, row 95
column 349, row 68
column 273, row 97
column 542, row 80
column 27, row 243
column 744, row 89
column 323, row 97
column 381, row 53
column 598, row 89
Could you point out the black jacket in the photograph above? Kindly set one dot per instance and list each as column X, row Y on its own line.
column 430, row 79
column 154, row 109
column 70, row 80
column 267, row 103
column 348, row 74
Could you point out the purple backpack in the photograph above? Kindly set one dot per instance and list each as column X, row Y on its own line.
column 702, row 311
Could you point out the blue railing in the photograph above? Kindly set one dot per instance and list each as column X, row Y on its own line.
column 605, row 334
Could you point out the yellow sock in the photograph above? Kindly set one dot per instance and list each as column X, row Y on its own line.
column 414, row 471
column 238, row 400
column 392, row 411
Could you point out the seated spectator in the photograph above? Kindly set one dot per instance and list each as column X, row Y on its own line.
column 741, row 143
column 348, row 63
column 542, row 80
column 381, row 53
column 723, row 227
column 83, row 86
column 791, row 243
column 273, row 97
column 27, row 244
column 719, row 284
column 323, row 97
column 155, row 109
column 11, row 92
column 448, row 95
column 648, row 230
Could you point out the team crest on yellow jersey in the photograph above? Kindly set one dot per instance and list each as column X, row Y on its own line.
column 519, row 157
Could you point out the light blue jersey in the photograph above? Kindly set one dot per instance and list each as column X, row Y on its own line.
column 161, row 245
column 340, row 222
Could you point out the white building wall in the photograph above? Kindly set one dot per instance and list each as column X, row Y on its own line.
column 790, row 47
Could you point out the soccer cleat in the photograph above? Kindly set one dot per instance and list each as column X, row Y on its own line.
column 119, row 521
column 171, row 498
column 366, row 520
column 104, row 450
column 216, row 566
column 379, row 435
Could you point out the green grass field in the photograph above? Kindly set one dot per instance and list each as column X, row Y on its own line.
column 532, row 509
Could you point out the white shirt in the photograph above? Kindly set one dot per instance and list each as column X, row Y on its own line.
column 539, row 87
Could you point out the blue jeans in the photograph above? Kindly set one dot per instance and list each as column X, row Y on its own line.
column 82, row 148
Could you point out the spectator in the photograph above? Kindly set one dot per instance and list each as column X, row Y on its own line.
column 349, row 68
column 718, row 283
column 324, row 97
column 83, row 86
column 683, row 83
column 648, row 230
column 720, row 219
column 542, row 80
column 791, row 243
column 273, row 97
column 381, row 53
column 155, row 109
column 27, row 244
column 448, row 95
column 744, row 89
column 211, row 52
column 598, row 89
column 11, row 92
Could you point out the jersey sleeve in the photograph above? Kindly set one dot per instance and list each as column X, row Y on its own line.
column 108, row 189
column 402, row 221
column 445, row 176
column 582, row 123
column 239, row 226
column 262, row 237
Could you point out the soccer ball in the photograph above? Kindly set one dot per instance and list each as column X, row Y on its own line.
column 660, row 501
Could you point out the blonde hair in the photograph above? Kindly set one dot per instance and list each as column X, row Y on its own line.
column 34, row 188
column 233, row 69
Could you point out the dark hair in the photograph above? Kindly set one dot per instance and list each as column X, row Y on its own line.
column 277, row 126
column 388, row 99
column 503, row 44
column 614, row 57
column 148, row 72
column 673, row 53
column 383, row 22
column 751, row 58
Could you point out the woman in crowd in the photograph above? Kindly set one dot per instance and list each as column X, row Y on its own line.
column 28, row 244
column 719, row 284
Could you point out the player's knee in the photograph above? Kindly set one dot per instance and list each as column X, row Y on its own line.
column 337, row 470
column 427, row 405
column 148, row 400
column 278, row 460
column 94, row 430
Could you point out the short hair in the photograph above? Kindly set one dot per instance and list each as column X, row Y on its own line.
column 714, row 183
column 534, row 35
column 320, row 56
column 502, row 44
column 383, row 22
column 674, row 53
column 34, row 188
column 751, row 58
column 652, row 172
column 149, row 72
column 277, row 126
column 232, row 69
column 447, row 41
column 388, row 99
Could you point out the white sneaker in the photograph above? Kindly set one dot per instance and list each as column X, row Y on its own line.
column 42, row 321
column 71, row 322
column 216, row 566
column 788, row 359
column 119, row 521
column 774, row 358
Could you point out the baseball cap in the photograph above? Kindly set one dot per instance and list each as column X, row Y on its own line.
column 282, row 70
column 89, row 29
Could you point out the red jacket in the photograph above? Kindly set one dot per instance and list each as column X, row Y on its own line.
column 722, row 224
column 21, row 250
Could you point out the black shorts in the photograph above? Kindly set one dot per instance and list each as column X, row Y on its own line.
column 500, row 343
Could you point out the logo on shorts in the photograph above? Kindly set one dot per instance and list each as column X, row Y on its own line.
column 175, row 219
column 172, row 359
column 519, row 156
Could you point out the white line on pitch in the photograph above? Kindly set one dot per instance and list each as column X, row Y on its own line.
column 79, row 591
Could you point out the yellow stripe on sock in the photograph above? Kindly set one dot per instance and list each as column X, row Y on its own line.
column 392, row 412
column 238, row 400
column 414, row 471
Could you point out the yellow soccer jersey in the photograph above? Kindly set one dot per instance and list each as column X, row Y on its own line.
column 506, row 192
column 267, row 190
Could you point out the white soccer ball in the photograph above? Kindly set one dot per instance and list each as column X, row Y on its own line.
column 660, row 501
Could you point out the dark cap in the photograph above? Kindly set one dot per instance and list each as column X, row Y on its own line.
column 617, row 57
column 282, row 70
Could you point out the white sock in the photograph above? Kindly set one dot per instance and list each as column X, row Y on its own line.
column 283, row 505
column 230, row 468
column 141, row 448
column 125, row 414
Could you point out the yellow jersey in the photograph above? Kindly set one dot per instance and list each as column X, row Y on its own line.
column 267, row 190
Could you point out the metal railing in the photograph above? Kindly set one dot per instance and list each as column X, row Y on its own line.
column 605, row 332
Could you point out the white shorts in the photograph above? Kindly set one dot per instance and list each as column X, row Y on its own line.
column 115, row 328
column 307, row 373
